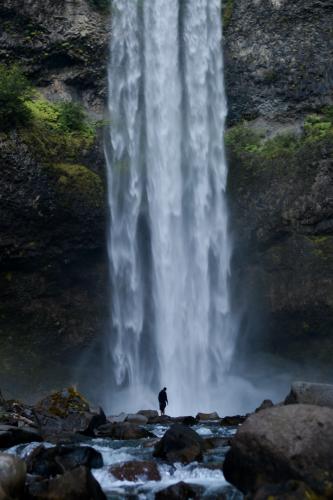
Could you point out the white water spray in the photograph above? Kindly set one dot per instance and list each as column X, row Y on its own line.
column 169, row 248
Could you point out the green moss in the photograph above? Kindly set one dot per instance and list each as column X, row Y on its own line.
column 57, row 131
column 241, row 139
column 322, row 247
column 77, row 182
column 227, row 12
column 62, row 403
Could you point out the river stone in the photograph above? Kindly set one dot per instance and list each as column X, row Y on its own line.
column 267, row 403
column 291, row 490
column 207, row 416
column 161, row 419
column 180, row 491
column 282, row 443
column 77, row 484
column 12, row 476
column 233, row 421
column 135, row 418
column 148, row 413
column 310, row 394
column 135, row 471
column 217, row 442
column 114, row 419
column 124, row 431
column 188, row 420
column 11, row 435
column 180, row 443
column 58, row 459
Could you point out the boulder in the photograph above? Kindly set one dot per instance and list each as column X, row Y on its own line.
column 63, row 403
column 217, row 442
column 123, row 431
column 180, row 443
column 150, row 443
column 291, row 490
column 207, row 416
column 188, row 420
column 83, row 423
column 12, row 476
column 310, row 394
column 148, row 413
column 135, row 471
column 180, row 491
column 12, row 435
column 233, row 421
column 114, row 419
column 135, row 418
column 58, row 459
column 162, row 420
column 76, row 484
column 267, row 403
column 280, row 444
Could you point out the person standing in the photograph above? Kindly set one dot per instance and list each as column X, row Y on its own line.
column 163, row 400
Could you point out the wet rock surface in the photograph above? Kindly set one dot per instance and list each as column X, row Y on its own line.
column 11, row 436
column 180, row 444
column 12, row 477
column 123, row 431
column 136, row 470
column 282, row 443
column 180, row 491
column 310, row 393
column 77, row 484
column 48, row 462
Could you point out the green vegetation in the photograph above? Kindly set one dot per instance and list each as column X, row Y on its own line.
column 58, row 130
column 242, row 140
column 253, row 156
column 227, row 11
column 15, row 92
column 77, row 182
column 322, row 246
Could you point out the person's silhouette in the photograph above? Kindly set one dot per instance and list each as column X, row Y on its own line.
column 163, row 400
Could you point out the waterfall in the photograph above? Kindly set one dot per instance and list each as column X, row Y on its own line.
column 169, row 249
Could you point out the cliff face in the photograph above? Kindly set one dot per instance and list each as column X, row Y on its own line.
column 62, row 45
column 279, row 77
column 53, row 272
column 277, row 57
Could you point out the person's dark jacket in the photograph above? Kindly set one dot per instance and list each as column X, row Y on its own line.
column 162, row 397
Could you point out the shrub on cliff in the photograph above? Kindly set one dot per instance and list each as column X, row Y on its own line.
column 72, row 116
column 15, row 91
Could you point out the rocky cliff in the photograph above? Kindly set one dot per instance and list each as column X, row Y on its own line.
column 279, row 77
column 53, row 275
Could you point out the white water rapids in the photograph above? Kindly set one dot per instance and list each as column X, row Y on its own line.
column 169, row 248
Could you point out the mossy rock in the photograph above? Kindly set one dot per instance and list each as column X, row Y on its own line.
column 62, row 403
column 77, row 183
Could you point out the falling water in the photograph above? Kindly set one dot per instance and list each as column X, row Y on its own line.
column 169, row 248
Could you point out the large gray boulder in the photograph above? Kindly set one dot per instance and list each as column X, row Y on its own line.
column 12, row 476
column 282, row 443
column 310, row 394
